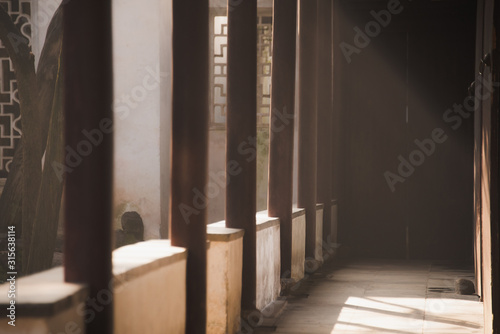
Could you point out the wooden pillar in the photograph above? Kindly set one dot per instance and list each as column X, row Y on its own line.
column 486, row 160
column 495, row 170
column 337, row 114
column 241, row 136
column 325, row 109
column 88, row 96
column 280, row 198
column 307, row 119
column 477, row 153
column 189, row 160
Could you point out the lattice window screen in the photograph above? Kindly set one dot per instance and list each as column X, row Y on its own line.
column 218, row 70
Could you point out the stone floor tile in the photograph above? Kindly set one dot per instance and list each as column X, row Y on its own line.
column 382, row 296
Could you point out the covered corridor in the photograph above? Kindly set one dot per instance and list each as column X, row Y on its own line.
column 282, row 146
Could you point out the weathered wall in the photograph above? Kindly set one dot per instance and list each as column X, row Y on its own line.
column 141, row 50
column 42, row 12
column 318, row 253
column 268, row 260
column 150, row 288
column 225, row 263
column 298, row 243
column 217, row 160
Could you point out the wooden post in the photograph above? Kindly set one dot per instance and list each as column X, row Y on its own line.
column 495, row 170
column 190, row 150
column 241, row 136
column 337, row 114
column 308, row 119
column 87, row 61
column 325, row 110
column 282, row 124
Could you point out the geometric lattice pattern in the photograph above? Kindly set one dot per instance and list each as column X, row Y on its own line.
column 219, row 70
column 10, row 117
column 264, row 45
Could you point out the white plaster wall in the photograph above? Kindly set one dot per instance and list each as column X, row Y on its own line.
column 225, row 263
column 142, row 66
column 268, row 264
column 216, row 167
column 165, row 110
column 140, row 76
column 216, row 172
column 298, row 246
column 42, row 12
column 318, row 252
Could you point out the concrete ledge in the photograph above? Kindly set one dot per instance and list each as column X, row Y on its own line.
column 152, row 274
column 44, row 294
column 298, row 243
column 268, row 260
column 224, row 263
column 219, row 232
column 44, row 304
column 133, row 261
column 264, row 221
column 297, row 212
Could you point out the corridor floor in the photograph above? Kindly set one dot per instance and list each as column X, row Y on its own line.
column 382, row 297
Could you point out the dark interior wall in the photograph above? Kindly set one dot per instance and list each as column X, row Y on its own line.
column 407, row 136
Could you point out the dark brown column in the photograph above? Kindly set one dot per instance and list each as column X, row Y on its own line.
column 486, row 142
column 282, row 124
column 87, row 59
column 495, row 172
column 325, row 109
column 477, row 154
column 337, row 115
column 241, row 136
column 190, row 150
column 307, row 119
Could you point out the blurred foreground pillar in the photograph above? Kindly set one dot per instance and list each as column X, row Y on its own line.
column 308, row 119
column 190, row 150
column 88, row 96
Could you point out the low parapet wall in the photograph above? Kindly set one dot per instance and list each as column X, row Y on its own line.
column 268, row 260
column 224, row 263
column 149, row 294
